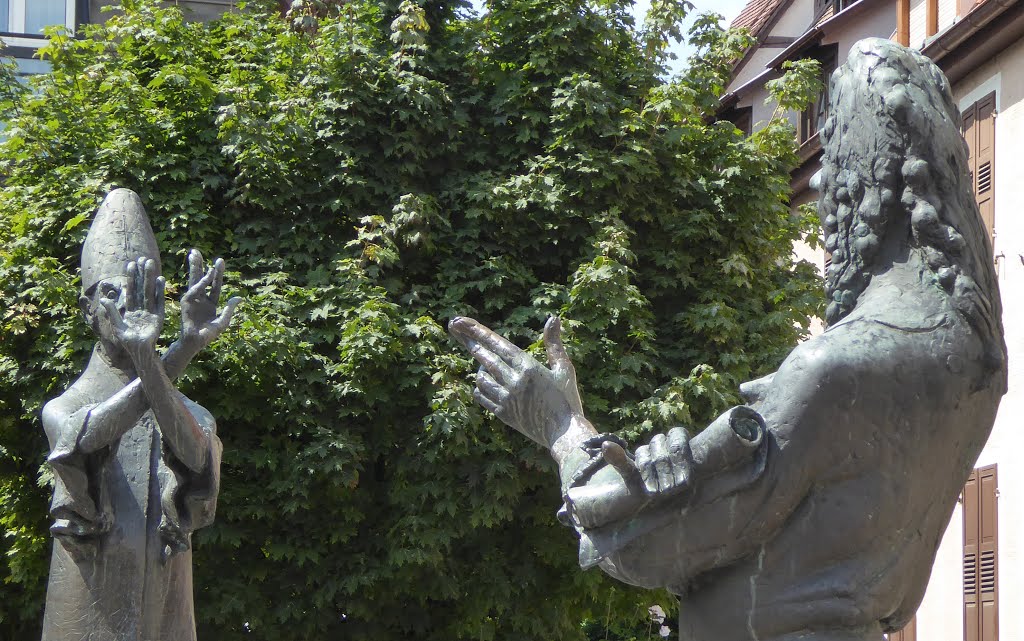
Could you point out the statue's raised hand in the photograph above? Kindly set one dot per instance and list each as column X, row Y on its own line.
column 138, row 330
column 200, row 322
column 535, row 400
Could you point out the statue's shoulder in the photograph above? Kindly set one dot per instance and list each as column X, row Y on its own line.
column 94, row 385
column 860, row 346
column 74, row 398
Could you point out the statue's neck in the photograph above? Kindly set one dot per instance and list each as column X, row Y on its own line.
column 107, row 361
column 899, row 297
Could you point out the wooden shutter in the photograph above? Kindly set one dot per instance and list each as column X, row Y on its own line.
column 984, row 180
column 979, row 128
column 908, row 633
column 980, row 558
column 903, row 22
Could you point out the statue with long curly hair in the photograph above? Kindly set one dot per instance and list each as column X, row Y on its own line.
column 815, row 511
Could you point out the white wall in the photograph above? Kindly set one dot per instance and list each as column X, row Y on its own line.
column 918, row 10
column 947, row 13
column 941, row 615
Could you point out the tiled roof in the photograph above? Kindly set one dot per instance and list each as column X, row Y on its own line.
column 756, row 15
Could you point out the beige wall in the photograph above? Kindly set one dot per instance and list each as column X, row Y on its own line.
column 793, row 23
column 941, row 615
column 880, row 23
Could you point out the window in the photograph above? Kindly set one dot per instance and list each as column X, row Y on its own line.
column 742, row 118
column 43, row 13
column 980, row 556
column 821, row 6
column 27, row 18
column 813, row 118
column 979, row 129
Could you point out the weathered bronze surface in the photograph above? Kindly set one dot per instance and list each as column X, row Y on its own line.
column 135, row 463
column 815, row 512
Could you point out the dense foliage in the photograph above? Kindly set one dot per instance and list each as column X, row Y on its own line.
column 370, row 170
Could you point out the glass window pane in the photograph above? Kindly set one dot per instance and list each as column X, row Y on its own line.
column 31, row 66
column 5, row 15
column 43, row 13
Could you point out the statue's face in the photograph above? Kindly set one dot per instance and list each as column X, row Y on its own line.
column 110, row 289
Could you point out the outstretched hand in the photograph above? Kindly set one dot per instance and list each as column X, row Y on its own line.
column 200, row 323
column 540, row 402
column 139, row 328
column 535, row 400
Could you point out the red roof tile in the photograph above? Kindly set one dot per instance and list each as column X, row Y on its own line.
column 756, row 15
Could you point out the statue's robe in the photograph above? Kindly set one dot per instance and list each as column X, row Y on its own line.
column 123, row 515
column 830, row 529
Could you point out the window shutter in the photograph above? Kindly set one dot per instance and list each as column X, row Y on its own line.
column 988, row 556
column 970, row 131
column 970, row 568
column 981, row 555
column 986, row 159
column 979, row 128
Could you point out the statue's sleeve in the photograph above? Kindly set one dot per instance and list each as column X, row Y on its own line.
column 189, row 499
column 673, row 539
column 744, row 487
column 76, row 507
column 662, row 540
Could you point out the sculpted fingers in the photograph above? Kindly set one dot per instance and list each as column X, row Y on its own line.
column 490, row 387
column 662, row 462
column 131, row 287
column 645, row 463
column 108, row 312
column 224, row 319
column 617, row 458
column 218, row 280
column 161, row 285
column 195, row 267
column 558, row 359
column 494, row 365
column 140, row 283
column 197, row 290
column 468, row 331
column 485, row 402
column 679, row 454
column 148, row 269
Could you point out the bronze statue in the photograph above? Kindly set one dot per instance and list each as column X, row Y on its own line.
column 815, row 512
column 135, row 462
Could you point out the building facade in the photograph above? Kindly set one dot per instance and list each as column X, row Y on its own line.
column 978, row 573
